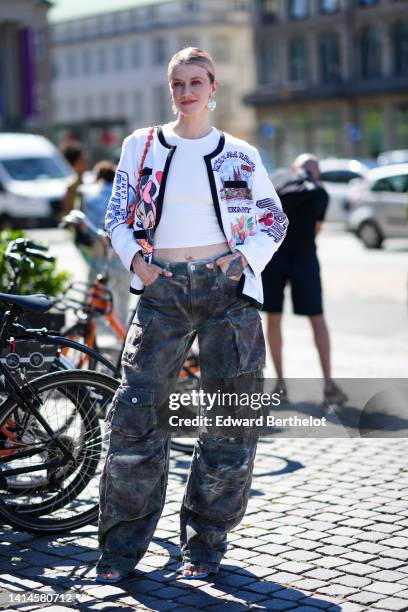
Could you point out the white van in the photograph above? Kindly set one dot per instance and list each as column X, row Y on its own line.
column 33, row 180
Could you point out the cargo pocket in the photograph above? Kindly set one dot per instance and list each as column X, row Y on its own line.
column 219, row 481
column 133, row 414
column 135, row 483
column 248, row 338
column 136, row 334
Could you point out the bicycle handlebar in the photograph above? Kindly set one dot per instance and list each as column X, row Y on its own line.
column 38, row 255
column 21, row 251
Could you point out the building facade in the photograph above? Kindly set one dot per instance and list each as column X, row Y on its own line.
column 332, row 77
column 25, row 94
column 110, row 69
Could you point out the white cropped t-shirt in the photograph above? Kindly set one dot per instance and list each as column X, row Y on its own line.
column 188, row 216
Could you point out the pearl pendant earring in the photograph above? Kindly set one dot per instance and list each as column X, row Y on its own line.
column 211, row 105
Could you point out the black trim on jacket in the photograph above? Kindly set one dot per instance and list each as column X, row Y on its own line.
column 213, row 187
column 160, row 196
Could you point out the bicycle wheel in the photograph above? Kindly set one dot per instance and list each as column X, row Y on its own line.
column 41, row 490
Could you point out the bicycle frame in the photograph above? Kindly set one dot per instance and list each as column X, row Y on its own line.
column 29, row 402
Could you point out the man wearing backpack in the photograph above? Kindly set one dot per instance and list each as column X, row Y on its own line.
column 304, row 201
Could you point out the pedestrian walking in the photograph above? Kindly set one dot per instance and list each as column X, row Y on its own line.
column 77, row 156
column 187, row 215
column 304, row 201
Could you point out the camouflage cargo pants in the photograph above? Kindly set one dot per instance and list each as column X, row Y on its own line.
column 194, row 302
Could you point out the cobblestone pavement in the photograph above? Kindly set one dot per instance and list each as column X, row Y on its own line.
column 326, row 529
column 327, row 522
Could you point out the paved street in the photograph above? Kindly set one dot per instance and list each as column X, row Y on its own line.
column 327, row 522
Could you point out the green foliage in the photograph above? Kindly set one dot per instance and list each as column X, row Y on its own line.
column 43, row 278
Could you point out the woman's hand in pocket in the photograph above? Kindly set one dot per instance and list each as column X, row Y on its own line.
column 148, row 273
column 232, row 265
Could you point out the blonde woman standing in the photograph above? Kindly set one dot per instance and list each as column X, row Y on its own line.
column 194, row 215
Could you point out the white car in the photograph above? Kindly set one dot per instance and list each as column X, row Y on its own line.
column 378, row 205
column 33, row 180
column 398, row 156
column 336, row 175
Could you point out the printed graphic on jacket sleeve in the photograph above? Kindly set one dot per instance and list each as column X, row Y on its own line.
column 244, row 226
column 273, row 220
column 120, row 203
column 146, row 209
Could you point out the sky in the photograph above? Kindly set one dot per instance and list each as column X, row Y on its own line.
column 75, row 9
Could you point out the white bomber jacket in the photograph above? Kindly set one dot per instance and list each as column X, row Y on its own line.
column 248, row 209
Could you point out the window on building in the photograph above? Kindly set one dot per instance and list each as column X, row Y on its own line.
column 372, row 125
column 297, row 133
column 298, row 60
column 92, row 26
column 192, row 6
column 161, row 103
column 330, row 58
column 268, row 62
column 56, row 69
column 118, row 57
column 400, row 44
column 159, row 51
column 367, row 2
column 298, row 9
column 400, row 116
column 107, row 23
column 220, row 46
column 137, row 110
column 136, row 54
column 371, row 52
column 120, row 104
column 87, row 107
column 329, row 133
column 104, row 105
column 71, row 64
column 269, row 10
column 86, row 61
column 38, row 42
column 72, row 108
column 328, row 6
column 102, row 60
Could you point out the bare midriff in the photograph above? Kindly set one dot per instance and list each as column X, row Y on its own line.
column 191, row 253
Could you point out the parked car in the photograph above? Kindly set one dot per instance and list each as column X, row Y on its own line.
column 33, row 180
column 398, row 156
column 336, row 175
column 378, row 205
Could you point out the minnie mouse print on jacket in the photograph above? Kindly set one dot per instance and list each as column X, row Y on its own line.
column 247, row 207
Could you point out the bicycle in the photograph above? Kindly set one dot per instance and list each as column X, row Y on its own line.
column 18, row 253
column 50, row 463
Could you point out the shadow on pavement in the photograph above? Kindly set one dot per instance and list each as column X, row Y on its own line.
column 44, row 565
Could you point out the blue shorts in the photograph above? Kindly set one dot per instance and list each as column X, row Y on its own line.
column 302, row 271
